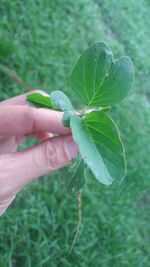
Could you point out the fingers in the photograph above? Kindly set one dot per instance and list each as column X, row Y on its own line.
column 20, row 99
column 20, row 168
column 22, row 120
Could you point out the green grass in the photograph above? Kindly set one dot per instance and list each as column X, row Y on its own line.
column 44, row 39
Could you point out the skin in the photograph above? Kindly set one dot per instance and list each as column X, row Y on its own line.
column 18, row 168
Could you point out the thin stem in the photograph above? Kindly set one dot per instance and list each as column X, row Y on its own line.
column 79, row 222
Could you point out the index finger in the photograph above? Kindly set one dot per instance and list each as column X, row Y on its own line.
column 22, row 120
column 20, row 99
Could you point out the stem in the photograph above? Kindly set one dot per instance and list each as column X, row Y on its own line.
column 79, row 222
column 87, row 110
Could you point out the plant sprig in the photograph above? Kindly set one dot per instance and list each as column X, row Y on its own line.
column 98, row 81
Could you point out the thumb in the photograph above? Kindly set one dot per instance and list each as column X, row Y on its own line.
column 20, row 168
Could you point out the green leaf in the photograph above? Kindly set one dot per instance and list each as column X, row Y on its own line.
column 107, row 139
column 61, row 100
column 89, row 151
column 99, row 80
column 116, row 84
column 41, row 101
column 66, row 117
column 72, row 177
column 100, row 145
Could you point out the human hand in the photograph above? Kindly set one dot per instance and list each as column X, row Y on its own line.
column 17, row 121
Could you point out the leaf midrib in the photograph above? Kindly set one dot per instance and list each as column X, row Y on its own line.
column 100, row 85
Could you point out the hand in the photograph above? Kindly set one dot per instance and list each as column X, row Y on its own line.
column 17, row 168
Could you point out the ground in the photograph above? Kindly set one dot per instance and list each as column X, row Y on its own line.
column 41, row 41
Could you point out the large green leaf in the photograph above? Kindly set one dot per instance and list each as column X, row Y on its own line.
column 98, row 79
column 72, row 177
column 100, row 145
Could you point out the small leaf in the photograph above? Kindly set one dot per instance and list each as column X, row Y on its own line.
column 61, row 100
column 66, row 117
column 100, row 145
column 72, row 177
column 41, row 101
column 98, row 79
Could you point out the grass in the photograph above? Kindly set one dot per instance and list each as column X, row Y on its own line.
column 44, row 40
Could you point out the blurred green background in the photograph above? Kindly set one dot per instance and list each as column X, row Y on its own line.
column 41, row 40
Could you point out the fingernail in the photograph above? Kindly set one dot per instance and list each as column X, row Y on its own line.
column 71, row 148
